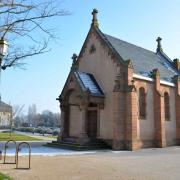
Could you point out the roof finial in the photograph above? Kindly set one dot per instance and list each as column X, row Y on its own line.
column 94, row 20
column 159, row 47
column 74, row 58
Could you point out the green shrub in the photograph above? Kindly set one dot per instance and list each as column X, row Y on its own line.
column 55, row 132
column 4, row 177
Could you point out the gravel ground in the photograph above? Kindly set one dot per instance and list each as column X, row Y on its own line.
column 146, row 164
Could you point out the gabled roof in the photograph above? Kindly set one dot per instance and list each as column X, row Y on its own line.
column 144, row 61
column 88, row 82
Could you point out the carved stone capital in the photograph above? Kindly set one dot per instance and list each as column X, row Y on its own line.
column 62, row 107
column 160, row 93
column 131, row 88
column 101, row 106
column 84, row 103
column 85, row 99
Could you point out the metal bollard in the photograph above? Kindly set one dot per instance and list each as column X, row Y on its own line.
column 0, row 155
column 17, row 155
column 5, row 149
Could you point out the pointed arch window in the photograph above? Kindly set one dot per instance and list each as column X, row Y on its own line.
column 142, row 103
column 166, row 106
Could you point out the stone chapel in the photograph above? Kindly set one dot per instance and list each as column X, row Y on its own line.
column 120, row 94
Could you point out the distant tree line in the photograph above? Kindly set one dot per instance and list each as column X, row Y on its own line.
column 39, row 130
column 34, row 119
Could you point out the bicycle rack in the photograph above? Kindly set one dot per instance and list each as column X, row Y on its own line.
column 5, row 148
column 17, row 157
column 0, row 155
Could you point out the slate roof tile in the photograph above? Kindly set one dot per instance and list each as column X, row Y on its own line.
column 88, row 82
column 144, row 61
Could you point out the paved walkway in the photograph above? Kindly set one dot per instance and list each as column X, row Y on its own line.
column 147, row 164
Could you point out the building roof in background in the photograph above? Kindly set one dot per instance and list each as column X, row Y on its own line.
column 5, row 107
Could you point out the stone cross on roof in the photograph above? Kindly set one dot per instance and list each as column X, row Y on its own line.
column 159, row 47
column 74, row 60
column 94, row 20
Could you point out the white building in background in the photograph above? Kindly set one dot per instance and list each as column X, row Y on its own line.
column 5, row 114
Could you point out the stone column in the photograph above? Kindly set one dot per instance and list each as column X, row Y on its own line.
column 62, row 119
column 131, row 113
column 177, row 101
column 118, row 116
column 132, row 138
column 83, row 132
column 159, row 116
column 83, row 138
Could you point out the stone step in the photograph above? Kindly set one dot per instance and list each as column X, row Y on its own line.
column 75, row 146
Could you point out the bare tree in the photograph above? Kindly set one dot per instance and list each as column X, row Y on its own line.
column 16, row 110
column 23, row 24
column 32, row 115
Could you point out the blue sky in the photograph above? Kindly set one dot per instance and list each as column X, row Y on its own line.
column 139, row 22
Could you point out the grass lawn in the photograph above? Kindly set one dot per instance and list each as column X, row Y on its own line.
column 17, row 137
column 4, row 177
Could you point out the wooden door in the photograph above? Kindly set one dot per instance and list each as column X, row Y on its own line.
column 92, row 123
column 66, row 122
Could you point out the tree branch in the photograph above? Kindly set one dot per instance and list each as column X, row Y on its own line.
column 21, row 21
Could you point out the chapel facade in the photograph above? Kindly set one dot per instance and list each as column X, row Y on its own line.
column 122, row 94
